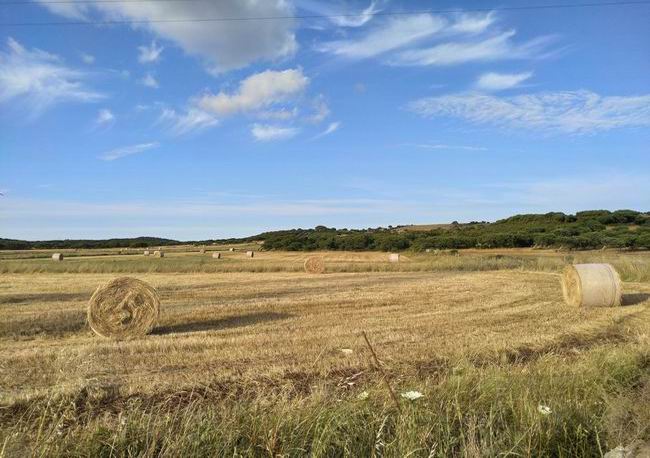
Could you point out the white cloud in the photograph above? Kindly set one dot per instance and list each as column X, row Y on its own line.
column 105, row 117
column 263, row 132
column 88, row 58
column 321, row 110
column 40, row 79
column 193, row 120
column 472, row 23
column 128, row 151
column 500, row 81
column 568, row 112
column 498, row 47
column 332, row 127
column 224, row 45
column 394, row 34
column 282, row 114
column 256, row 92
column 356, row 20
column 149, row 81
column 149, row 54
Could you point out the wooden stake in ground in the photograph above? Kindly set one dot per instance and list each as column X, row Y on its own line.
column 384, row 376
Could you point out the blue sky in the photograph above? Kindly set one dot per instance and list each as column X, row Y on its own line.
column 196, row 130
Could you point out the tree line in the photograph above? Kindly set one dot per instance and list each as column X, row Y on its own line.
column 594, row 229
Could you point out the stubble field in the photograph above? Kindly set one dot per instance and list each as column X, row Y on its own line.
column 256, row 357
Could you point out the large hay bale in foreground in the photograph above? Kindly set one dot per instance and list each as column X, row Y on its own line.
column 393, row 257
column 591, row 285
column 124, row 307
column 216, row 255
column 315, row 265
column 250, row 254
column 159, row 254
column 57, row 257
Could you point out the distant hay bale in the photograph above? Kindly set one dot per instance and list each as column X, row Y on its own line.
column 216, row 255
column 146, row 253
column 591, row 285
column 250, row 254
column 202, row 251
column 57, row 257
column 315, row 265
column 393, row 257
column 231, row 249
column 123, row 307
column 159, row 254
column 428, row 250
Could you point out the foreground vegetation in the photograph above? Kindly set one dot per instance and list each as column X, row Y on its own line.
column 595, row 404
column 261, row 359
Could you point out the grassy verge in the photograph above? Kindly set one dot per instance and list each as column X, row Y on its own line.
column 597, row 401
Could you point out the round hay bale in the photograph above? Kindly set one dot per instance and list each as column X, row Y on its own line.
column 393, row 257
column 57, row 257
column 159, row 254
column 591, row 285
column 146, row 253
column 202, row 251
column 123, row 307
column 250, row 254
column 216, row 255
column 231, row 249
column 315, row 265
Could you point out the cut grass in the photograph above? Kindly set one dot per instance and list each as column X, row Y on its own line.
column 250, row 363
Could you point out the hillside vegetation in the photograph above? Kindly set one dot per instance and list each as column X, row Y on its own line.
column 594, row 229
column 584, row 230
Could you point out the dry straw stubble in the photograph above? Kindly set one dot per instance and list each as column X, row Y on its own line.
column 123, row 307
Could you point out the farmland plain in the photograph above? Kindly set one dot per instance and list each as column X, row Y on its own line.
column 256, row 357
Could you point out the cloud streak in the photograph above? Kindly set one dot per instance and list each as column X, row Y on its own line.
column 501, row 81
column 572, row 112
column 119, row 153
column 265, row 133
column 40, row 79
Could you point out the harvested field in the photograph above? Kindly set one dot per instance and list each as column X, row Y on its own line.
column 270, row 342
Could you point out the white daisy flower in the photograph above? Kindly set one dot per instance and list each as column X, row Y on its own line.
column 412, row 395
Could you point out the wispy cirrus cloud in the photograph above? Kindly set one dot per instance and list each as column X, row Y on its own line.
column 500, row 81
column 119, row 153
column 191, row 120
column 497, row 47
column 331, row 128
column 265, row 133
column 40, row 79
column 436, row 40
column 394, row 34
column 573, row 112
